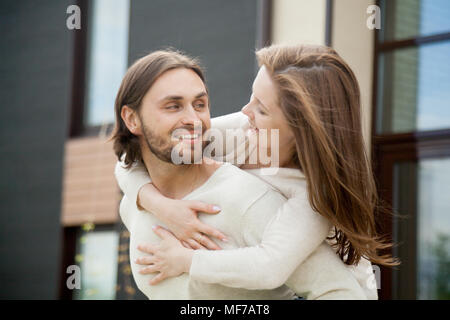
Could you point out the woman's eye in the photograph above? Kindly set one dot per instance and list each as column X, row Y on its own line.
column 172, row 107
column 261, row 111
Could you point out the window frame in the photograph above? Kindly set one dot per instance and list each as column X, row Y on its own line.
column 70, row 237
column 391, row 148
column 80, row 73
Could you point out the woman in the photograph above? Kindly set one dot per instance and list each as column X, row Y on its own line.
column 310, row 95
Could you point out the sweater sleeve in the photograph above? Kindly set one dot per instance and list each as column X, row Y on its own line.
column 289, row 238
column 132, row 179
column 233, row 144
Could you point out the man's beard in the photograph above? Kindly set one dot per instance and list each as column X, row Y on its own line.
column 162, row 148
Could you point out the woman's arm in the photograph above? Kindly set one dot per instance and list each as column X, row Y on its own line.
column 131, row 180
column 233, row 145
column 179, row 215
column 294, row 233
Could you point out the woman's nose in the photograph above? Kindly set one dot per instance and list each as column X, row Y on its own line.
column 247, row 111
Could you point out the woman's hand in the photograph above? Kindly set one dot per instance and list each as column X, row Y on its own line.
column 180, row 216
column 169, row 257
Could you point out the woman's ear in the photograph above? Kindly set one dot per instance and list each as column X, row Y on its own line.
column 132, row 120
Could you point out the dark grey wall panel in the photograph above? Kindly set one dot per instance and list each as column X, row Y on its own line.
column 221, row 33
column 35, row 78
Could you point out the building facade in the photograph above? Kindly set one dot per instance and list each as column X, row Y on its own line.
column 59, row 199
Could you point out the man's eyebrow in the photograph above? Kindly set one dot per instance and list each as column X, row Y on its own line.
column 201, row 94
column 172, row 98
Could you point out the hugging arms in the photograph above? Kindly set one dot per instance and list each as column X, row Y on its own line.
column 293, row 250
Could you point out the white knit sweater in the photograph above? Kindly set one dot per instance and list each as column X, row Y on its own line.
column 292, row 249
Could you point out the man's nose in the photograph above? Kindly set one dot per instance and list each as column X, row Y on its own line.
column 190, row 116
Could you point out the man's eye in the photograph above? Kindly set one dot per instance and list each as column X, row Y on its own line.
column 200, row 105
column 261, row 111
column 172, row 107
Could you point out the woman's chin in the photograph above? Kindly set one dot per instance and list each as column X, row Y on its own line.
column 252, row 132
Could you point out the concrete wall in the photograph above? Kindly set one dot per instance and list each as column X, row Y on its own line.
column 298, row 21
column 355, row 43
column 36, row 60
column 221, row 33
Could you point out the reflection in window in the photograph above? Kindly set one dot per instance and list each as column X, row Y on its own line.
column 415, row 89
column 413, row 18
column 107, row 58
column 421, row 192
column 97, row 258
column 433, row 221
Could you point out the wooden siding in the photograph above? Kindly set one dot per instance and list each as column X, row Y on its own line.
column 90, row 191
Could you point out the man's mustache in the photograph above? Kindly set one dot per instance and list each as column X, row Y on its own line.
column 191, row 128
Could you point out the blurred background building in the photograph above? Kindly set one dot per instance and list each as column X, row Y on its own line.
column 58, row 196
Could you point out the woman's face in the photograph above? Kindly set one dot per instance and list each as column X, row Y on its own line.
column 264, row 112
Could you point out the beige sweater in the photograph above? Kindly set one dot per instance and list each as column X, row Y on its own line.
column 291, row 251
column 249, row 206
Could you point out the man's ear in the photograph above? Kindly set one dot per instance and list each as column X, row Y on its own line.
column 131, row 119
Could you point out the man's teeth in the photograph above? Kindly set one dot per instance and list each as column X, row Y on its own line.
column 189, row 136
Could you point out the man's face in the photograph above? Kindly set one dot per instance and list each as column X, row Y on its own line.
column 172, row 112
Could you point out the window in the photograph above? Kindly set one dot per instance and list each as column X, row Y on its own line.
column 414, row 88
column 412, row 143
column 406, row 19
column 96, row 255
column 101, row 60
column 108, row 59
column 421, row 191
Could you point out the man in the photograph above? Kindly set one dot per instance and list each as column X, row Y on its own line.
column 162, row 106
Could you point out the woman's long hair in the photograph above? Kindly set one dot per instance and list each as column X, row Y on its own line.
column 320, row 98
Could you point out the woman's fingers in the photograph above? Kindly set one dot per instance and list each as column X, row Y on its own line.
column 145, row 260
column 147, row 248
column 210, row 231
column 157, row 279
column 186, row 245
column 162, row 233
column 149, row 269
column 206, row 242
column 194, row 244
column 205, row 207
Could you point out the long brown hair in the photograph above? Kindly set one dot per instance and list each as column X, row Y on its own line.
column 135, row 84
column 320, row 98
